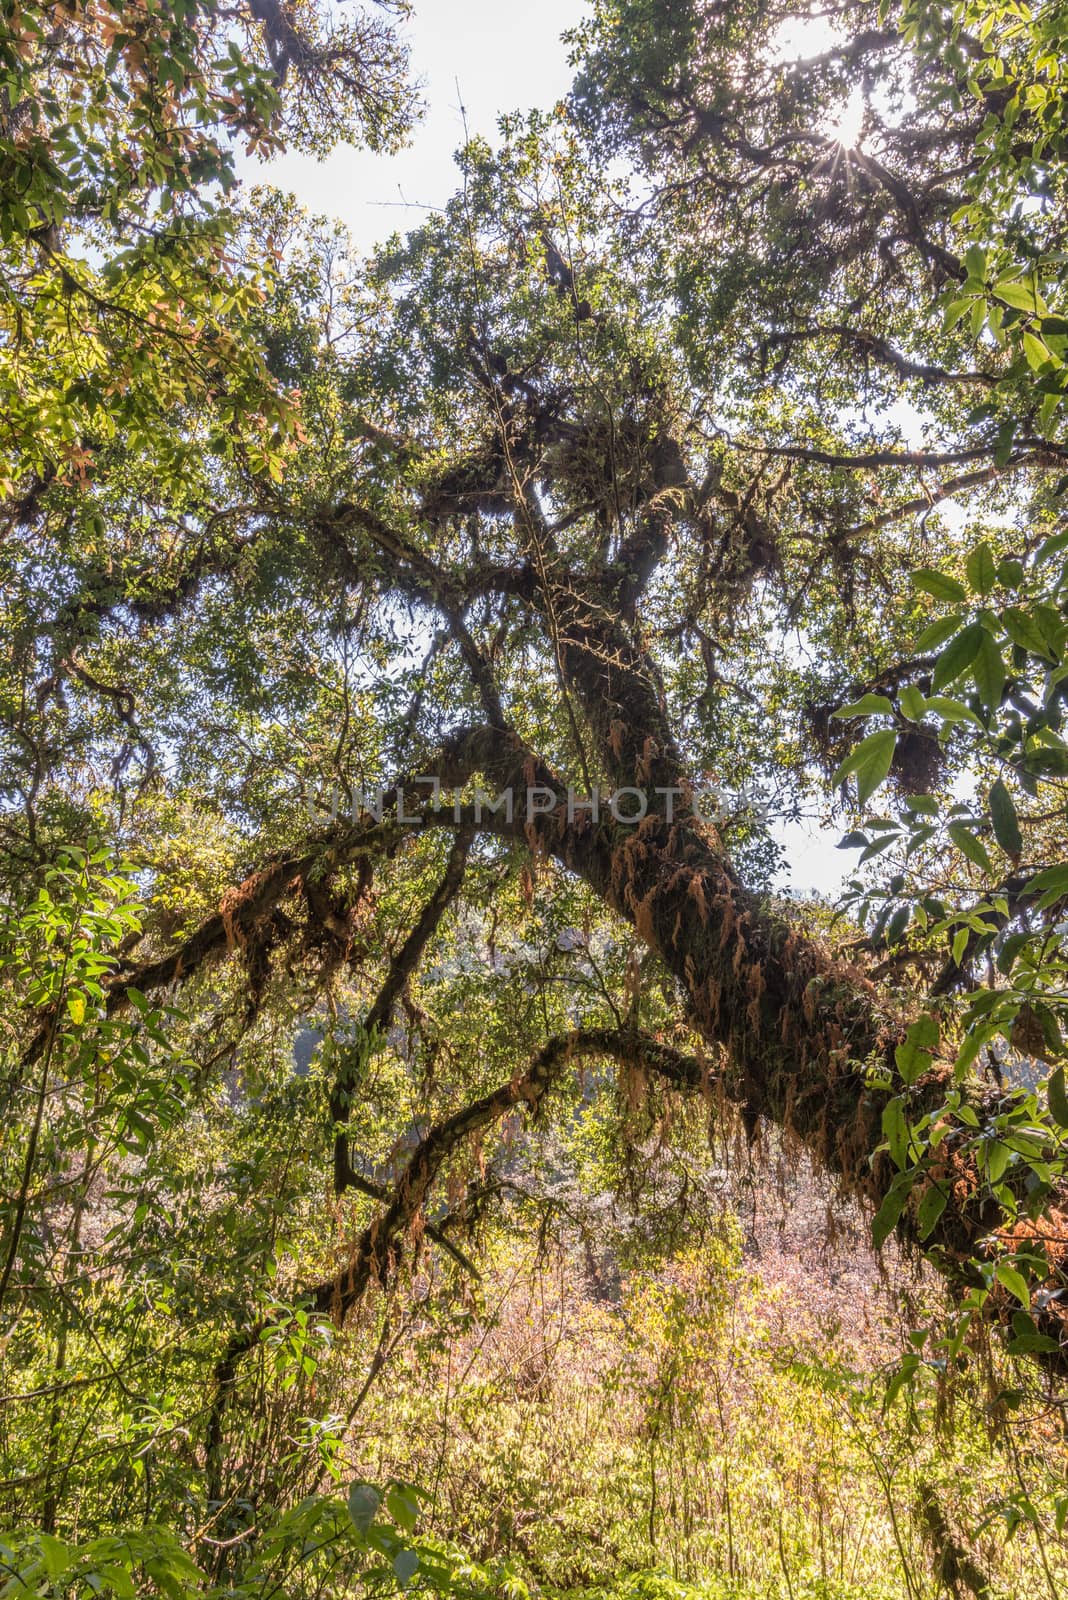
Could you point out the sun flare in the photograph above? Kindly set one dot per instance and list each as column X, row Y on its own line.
column 845, row 126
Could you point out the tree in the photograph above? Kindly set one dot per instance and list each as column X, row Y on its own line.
column 120, row 258
column 591, row 493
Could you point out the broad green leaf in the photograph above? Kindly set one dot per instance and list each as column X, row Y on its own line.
column 1027, row 1344
column 137, row 1000
column 913, row 1055
column 998, row 1156
column 868, row 705
column 975, row 261
column 1016, row 294
column 980, row 569
column 57, row 1556
column 406, row 1565
column 913, row 702
column 936, row 633
column 1036, row 351
column 938, row 584
column 931, row 1208
column 896, row 1131
column 877, row 847
column 119, row 1580
column 1014, row 1282
column 363, row 1503
column 1010, row 950
column 1058, row 1097
column 1024, row 629
column 1052, row 762
column 988, row 670
column 958, row 655
column 905, row 1374
column 1006, row 823
column 889, row 1213
column 955, row 311
column 951, row 710
column 1051, row 547
column 1055, row 878
column 870, row 761
column 403, row 1507
column 968, row 845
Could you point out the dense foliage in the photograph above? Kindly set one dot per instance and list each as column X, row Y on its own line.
column 409, row 661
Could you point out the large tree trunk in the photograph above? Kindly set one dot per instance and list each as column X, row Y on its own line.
column 803, row 1032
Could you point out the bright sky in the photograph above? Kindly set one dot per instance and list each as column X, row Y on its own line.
column 490, row 57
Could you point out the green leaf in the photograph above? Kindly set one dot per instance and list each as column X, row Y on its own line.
column 1027, row 1344
column 896, row 1131
column 1015, row 294
column 57, row 1556
column 870, row 761
column 913, row 702
column 938, row 584
column 980, row 569
column 405, row 1565
column 866, row 706
column 951, row 710
column 1035, row 351
column 905, row 1374
column 913, row 1054
column 958, row 655
column 955, row 310
column 889, row 1213
column 1024, row 629
column 1006, row 823
column 363, row 1503
column 1052, row 762
column 936, row 633
column 988, row 670
column 975, row 261
column 403, row 1507
column 137, row 1000
column 1010, row 950
column 971, row 1045
column 1049, row 878
column 1052, row 546
column 877, row 847
column 997, row 1160
column 931, row 1208
column 1052, row 623
column 1014, row 1282
column 1057, row 1094
column 969, row 845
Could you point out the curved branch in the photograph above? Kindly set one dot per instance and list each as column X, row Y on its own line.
column 942, row 491
column 871, row 344
column 379, row 1248
column 1042, row 454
